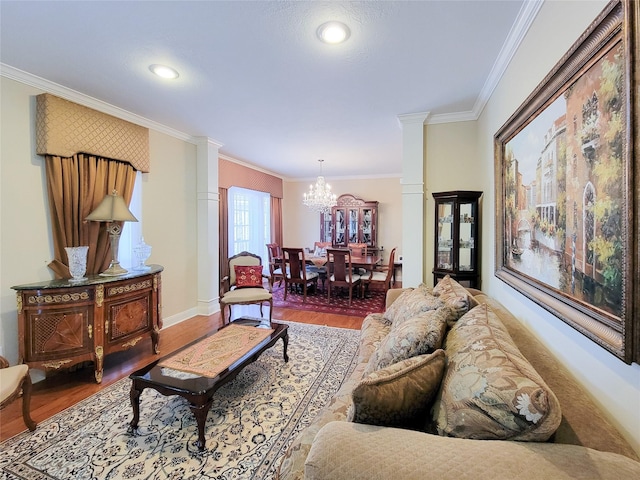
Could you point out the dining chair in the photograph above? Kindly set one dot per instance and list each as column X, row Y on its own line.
column 275, row 264
column 243, row 285
column 382, row 275
column 359, row 250
column 13, row 381
column 296, row 272
column 342, row 274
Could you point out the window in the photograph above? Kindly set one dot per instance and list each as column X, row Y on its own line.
column 249, row 222
column 132, row 231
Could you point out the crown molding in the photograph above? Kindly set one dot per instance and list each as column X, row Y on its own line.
column 526, row 16
column 521, row 26
column 87, row 101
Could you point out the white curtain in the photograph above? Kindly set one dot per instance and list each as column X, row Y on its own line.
column 249, row 222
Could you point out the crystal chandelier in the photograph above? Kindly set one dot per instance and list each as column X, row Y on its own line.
column 319, row 197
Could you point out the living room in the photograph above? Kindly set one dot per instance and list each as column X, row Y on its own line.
column 456, row 156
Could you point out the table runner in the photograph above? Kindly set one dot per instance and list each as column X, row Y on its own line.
column 214, row 354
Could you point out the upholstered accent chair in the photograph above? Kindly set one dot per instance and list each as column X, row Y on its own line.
column 13, row 381
column 296, row 272
column 341, row 272
column 275, row 264
column 382, row 276
column 243, row 285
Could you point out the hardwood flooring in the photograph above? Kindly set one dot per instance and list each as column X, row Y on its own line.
column 64, row 389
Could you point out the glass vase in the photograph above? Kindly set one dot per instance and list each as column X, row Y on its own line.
column 77, row 257
column 141, row 252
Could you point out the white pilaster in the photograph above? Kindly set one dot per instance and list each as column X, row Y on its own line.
column 413, row 201
column 208, row 201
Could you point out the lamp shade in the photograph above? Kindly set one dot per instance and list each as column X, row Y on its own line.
column 112, row 208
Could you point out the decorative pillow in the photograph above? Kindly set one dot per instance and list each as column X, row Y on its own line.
column 248, row 276
column 416, row 336
column 399, row 395
column 455, row 295
column 489, row 390
column 411, row 303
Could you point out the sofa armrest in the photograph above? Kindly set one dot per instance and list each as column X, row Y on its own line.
column 351, row 451
column 392, row 295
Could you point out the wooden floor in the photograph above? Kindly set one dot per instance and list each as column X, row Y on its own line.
column 64, row 389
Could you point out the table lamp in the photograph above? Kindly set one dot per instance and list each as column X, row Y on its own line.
column 111, row 209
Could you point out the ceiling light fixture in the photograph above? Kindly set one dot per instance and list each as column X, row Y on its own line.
column 333, row 32
column 164, row 71
column 319, row 197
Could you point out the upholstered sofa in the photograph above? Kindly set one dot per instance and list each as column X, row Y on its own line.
column 448, row 414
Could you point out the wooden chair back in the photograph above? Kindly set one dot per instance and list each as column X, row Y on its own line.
column 358, row 249
column 241, row 259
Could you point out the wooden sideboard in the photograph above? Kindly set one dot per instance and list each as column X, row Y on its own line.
column 62, row 323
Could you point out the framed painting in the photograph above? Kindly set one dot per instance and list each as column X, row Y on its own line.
column 567, row 187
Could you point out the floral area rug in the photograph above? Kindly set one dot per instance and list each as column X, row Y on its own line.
column 251, row 423
column 339, row 305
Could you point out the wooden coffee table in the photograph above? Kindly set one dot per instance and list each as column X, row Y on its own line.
column 199, row 390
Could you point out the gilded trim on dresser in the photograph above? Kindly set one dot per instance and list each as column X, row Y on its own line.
column 19, row 302
column 132, row 287
column 99, row 295
column 59, row 298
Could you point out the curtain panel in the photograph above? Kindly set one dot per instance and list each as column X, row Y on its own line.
column 75, row 187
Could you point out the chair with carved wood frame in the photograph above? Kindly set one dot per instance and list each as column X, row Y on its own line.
column 339, row 261
column 13, row 381
column 255, row 294
column 296, row 272
column 359, row 250
column 382, row 275
column 275, row 264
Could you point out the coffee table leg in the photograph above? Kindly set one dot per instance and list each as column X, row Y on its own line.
column 134, row 395
column 285, row 340
column 200, row 412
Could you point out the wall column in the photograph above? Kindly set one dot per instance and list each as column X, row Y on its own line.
column 413, row 201
column 208, row 201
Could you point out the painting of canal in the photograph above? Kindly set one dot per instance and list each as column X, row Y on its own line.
column 564, row 190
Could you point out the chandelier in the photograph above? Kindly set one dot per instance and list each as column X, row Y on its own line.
column 319, row 197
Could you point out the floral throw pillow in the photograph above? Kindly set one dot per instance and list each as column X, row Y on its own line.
column 411, row 303
column 489, row 390
column 248, row 276
column 415, row 336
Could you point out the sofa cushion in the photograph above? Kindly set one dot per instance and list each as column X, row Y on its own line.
column 454, row 295
column 399, row 395
column 489, row 390
column 418, row 335
column 410, row 303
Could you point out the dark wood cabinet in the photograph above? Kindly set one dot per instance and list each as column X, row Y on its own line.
column 62, row 323
column 352, row 220
column 457, row 240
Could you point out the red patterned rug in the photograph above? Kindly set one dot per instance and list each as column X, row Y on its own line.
column 339, row 305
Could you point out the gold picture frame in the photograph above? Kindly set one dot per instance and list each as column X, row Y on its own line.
column 567, row 187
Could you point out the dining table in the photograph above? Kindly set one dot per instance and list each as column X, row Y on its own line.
column 366, row 262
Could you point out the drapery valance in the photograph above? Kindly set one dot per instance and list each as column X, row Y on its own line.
column 231, row 174
column 65, row 128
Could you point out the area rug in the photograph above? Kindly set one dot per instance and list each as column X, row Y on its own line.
column 339, row 305
column 251, row 423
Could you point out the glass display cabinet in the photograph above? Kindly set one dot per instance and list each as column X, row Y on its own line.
column 457, row 241
column 352, row 220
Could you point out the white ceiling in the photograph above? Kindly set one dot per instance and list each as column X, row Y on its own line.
column 255, row 78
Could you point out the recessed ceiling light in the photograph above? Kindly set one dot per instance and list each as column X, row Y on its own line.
column 333, row 32
column 164, row 71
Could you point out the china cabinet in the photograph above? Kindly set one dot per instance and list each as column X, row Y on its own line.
column 352, row 220
column 65, row 322
column 457, row 241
